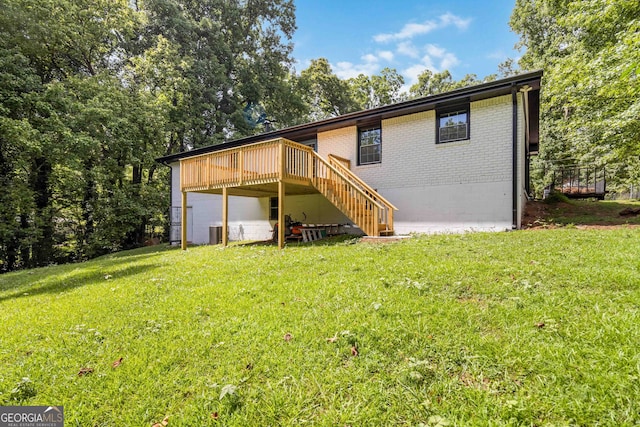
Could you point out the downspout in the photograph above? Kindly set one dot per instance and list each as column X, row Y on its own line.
column 514, row 165
column 527, row 118
column 170, row 195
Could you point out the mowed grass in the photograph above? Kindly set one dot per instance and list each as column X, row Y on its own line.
column 522, row 328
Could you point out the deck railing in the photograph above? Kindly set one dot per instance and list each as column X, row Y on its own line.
column 386, row 212
column 252, row 164
column 355, row 203
column 281, row 159
column 581, row 181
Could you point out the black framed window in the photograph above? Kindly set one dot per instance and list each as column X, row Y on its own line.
column 273, row 208
column 453, row 124
column 369, row 145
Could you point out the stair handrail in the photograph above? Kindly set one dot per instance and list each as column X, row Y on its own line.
column 341, row 175
column 360, row 182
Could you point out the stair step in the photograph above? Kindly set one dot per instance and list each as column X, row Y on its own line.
column 343, row 191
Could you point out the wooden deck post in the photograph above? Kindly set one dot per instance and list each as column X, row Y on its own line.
column 283, row 159
column 310, row 165
column 376, row 222
column 183, row 222
column 240, row 166
column 225, row 216
column 281, row 224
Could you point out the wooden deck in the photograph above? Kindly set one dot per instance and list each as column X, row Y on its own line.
column 279, row 167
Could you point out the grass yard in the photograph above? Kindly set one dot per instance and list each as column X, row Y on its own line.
column 528, row 328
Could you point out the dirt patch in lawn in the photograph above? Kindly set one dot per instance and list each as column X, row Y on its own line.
column 583, row 214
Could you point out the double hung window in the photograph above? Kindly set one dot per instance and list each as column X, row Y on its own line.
column 369, row 145
column 453, row 124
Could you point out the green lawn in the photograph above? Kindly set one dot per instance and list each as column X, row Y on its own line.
column 527, row 328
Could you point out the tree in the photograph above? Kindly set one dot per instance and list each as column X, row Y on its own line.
column 17, row 82
column 589, row 51
column 377, row 90
column 211, row 58
column 325, row 93
column 92, row 91
column 430, row 83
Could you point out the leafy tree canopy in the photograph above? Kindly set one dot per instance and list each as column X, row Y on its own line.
column 590, row 52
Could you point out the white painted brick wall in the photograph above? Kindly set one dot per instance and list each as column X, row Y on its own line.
column 440, row 187
column 340, row 142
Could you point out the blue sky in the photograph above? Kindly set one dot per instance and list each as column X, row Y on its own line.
column 364, row 36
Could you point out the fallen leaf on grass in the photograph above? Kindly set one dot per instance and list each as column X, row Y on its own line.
column 85, row 371
column 117, row 363
column 333, row 338
column 162, row 423
column 540, row 325
column 288, row 337
column 354, row 351
column 215, row 416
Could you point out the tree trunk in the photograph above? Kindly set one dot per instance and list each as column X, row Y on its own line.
column 25, row 250
column 42, row 250
column 135, row 237
column 8, row 250
column 88, row 206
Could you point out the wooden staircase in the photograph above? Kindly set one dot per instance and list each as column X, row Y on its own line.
column 356, row 199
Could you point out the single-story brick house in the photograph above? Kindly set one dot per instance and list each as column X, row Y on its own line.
column 450, row 162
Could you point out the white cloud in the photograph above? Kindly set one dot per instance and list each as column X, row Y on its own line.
column 435, row 59
column 412, row 29
column 449, row 60
column 347, row 70
column 408, row 49
column 369, row 66
column 411, row 74
column 436, row 51
column 387, row 55
column 449, row 18
column 498, row 54
column 369, row 58
column 409, row 31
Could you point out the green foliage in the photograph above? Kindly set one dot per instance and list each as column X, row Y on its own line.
column 556, row 197
column 210, row 58
column 589, row 52
column 377, row 90
column 23, row 391
column 430, row 83
column 448, row 329
column 325, row 93
column 91, row 92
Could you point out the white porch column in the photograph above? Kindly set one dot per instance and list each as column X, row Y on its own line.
column 183, row 223
column 225, row 216
column 281, row 224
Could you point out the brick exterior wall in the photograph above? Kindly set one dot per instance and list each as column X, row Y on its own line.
column 440, row 187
